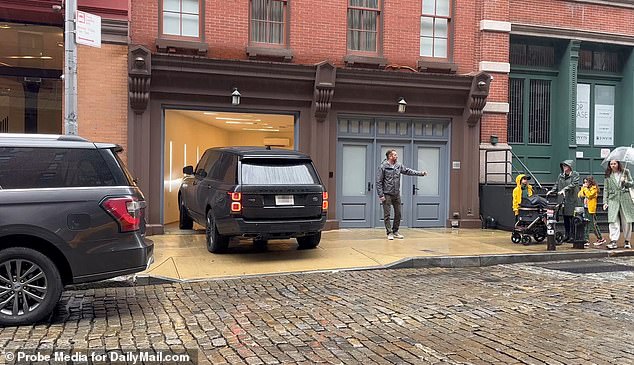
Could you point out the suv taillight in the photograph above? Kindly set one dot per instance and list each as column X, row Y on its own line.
column 125, row 210
column 236, row 202
column 324, row 204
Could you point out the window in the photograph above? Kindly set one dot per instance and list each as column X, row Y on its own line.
column 276, row 172
column 26, row 167
column 268, row 21
column 536, row 123
column 539, row 112
column 181, row 18
column 601, row 60
column 515, row 117
column 363, row 25
column 434, row 28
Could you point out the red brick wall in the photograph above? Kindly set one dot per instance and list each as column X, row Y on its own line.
column 102, row 114
column 574, row 15
column 318, row 30
column 493, row 124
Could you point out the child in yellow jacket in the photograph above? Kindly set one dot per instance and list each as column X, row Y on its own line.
column 522, row 190
column 590, row 192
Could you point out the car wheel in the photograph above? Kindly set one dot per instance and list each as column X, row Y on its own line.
column 215, row 241
column 30, row 286
column 309, row 241
column 184, row 221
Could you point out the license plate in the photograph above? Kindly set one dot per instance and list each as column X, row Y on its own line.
column 284, row 200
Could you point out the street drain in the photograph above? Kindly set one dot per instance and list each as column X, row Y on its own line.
column 587, row 267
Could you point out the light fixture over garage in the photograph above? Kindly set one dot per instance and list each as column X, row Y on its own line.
column 235, row 96
column 402, row 104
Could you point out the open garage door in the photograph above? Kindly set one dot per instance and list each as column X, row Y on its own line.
column 188, row 133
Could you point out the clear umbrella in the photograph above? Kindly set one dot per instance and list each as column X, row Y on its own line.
column 623, row 154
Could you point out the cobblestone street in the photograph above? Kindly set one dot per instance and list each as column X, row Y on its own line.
column 508, row 314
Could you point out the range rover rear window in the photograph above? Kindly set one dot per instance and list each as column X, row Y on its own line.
column 278, row 172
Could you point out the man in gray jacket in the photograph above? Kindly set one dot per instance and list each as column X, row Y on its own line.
column 388, row 185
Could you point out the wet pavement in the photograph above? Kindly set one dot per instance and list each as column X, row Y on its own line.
column 504, row 314
column 182, row 255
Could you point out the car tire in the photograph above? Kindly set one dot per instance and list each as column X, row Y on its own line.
column 309, row 241
column 184, row 220
column 38, row 286
column 215, row 241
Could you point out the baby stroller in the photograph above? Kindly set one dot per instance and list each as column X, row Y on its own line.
column 532, row 219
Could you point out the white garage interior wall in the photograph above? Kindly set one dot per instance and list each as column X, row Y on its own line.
column 189, row 133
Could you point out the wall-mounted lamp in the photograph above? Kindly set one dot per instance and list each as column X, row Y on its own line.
column 402, row 104
column 494, row 139
column 139, row 62
column 235, row 97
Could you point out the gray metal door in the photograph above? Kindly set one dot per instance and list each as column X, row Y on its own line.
column 405, row 158
column 429, row 199
column 355, row 185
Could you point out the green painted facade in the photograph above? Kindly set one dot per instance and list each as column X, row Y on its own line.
column 543, row 159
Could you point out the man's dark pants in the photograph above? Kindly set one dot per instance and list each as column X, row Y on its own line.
column 392, row 201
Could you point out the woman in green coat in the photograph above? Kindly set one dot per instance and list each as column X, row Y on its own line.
column 618, row 202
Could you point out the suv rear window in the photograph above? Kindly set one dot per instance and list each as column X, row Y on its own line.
column 35, row 167
column 278, row 172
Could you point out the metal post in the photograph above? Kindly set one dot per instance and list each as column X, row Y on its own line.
column 70, row 68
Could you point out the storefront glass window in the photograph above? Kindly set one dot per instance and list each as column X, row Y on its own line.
column 31, row 63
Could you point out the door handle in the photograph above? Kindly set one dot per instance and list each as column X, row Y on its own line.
column 370, row 186
column 414, row 189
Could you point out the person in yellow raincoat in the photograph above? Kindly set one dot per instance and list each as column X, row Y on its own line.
column 522, row 190
column 589, row 192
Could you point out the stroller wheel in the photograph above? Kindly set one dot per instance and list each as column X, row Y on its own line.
column 539, row 237
column 559, row 238
column 516, row 237
column 526, row 239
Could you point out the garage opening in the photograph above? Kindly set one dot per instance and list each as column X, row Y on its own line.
column 188, row 133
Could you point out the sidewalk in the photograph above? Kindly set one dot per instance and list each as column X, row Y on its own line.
column 182, row 255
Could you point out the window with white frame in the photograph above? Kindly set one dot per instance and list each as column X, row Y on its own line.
column 434, row 28
column 181, row 18
column 363, row 25
column 268, row 21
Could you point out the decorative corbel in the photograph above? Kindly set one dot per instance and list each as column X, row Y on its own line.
column 477, row 98
column 324, row 89
column 139, row 76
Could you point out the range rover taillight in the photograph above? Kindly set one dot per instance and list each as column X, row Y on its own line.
column 126, row 211
column 236, row 202
column 324, row 203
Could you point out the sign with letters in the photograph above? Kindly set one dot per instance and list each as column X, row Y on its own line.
column 88, row 29
column 583, row 114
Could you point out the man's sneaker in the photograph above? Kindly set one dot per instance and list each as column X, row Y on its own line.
column 398, row 235
column 612, row 245
column 586, row 245
column 599, row 242
column 627, row 244
column 390, row 236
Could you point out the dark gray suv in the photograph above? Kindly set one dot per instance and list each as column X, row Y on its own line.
column 69, row 213
column 256, row 193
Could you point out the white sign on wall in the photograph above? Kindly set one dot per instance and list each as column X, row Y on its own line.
column 88, row 29
column 603, row 125
column 583, row 114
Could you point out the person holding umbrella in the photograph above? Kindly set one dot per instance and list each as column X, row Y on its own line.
column 617, row 199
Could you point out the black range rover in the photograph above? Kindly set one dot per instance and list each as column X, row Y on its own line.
column 256, row 193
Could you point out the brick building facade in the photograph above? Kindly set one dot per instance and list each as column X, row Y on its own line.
column 339, row 69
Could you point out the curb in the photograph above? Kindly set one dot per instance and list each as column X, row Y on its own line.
column 490, row 260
